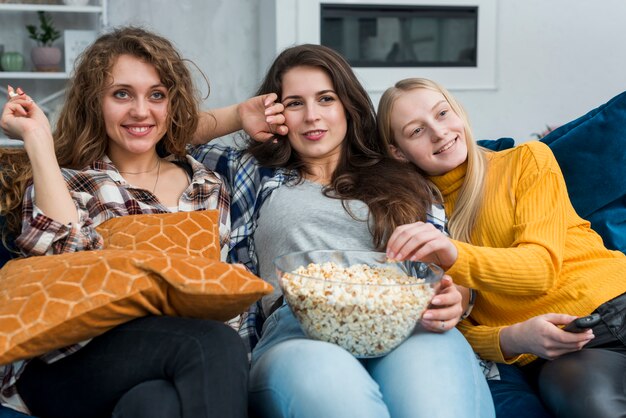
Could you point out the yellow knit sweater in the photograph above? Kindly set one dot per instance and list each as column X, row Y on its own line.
column 531, row 253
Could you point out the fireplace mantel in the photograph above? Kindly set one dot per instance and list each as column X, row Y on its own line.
column 285, row 23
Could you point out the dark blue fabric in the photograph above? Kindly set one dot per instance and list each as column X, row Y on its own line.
column 9, row 413
column 497, row 144
column 514, row 397
column 590, row 152
column 5, row 254
column 610, row 222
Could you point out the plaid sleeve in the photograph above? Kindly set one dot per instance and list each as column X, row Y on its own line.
column 437, row 217
column 43, row 235
column 224, row 222
column 243, row 177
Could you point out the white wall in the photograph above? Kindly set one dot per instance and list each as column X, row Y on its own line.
column 219, row 36
column 555, row 59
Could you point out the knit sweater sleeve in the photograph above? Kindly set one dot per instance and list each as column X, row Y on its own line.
column 525, row 257
column 485, row 341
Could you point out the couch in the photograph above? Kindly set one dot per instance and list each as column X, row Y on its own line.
column 590, row 151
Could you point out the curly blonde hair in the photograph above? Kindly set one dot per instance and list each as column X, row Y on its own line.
column 80, row 135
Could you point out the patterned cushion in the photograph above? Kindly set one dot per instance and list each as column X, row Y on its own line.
column 53, row 301
column 191, row 233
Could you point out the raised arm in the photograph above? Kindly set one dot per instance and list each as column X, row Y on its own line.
column 23, row 119
column 260, row 116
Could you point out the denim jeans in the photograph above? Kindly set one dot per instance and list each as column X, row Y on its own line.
column 515, row 396
column 9, row 413
column 429, row 375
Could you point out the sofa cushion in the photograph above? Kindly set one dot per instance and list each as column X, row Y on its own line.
column 190, row 233
column 52, row 301
column 590, row 152
column 497, row 144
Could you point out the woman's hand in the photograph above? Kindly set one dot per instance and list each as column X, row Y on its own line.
column 542, row 337
column 421, row 241
column 445, row 309
column 262, row 117
column 22, row 117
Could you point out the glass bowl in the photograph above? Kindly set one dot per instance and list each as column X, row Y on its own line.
column 358, row 300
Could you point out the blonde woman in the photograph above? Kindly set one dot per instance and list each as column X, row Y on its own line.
column 518, row 241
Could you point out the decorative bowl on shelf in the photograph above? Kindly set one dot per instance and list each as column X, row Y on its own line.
column 12, row 61
column 357, row 299
column 46, row 58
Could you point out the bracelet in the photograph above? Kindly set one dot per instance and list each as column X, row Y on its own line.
column 470, row 306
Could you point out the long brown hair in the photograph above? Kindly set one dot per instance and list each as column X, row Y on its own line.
column 469, row 202
column 15, row 175
column 80, row 135
column 395, row 192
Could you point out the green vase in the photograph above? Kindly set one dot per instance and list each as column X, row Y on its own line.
column 12, row 61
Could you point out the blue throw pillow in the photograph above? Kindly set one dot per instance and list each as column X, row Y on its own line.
column 497, row 144
column 590, row 151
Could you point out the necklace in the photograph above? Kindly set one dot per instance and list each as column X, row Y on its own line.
column 157, row 178
column 158, row 164
column 158, row 169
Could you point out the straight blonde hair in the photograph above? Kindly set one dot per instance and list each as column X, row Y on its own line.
column 468, row 205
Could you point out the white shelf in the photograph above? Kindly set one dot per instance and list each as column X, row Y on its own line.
column 10, row 143
column 49, row 8
column 56, row 79
column 41, row 101
column 33, row 75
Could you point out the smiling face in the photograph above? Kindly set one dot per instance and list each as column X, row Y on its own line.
column 314, row 115
column 135, row 108
column 427, row 132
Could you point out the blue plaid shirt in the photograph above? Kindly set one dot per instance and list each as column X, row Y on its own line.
column 250, row 185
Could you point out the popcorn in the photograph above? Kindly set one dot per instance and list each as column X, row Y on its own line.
column 366, row 310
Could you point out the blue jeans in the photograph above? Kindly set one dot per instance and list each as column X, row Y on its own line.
column 514, row 396
column 9, row 413
column 429, row 375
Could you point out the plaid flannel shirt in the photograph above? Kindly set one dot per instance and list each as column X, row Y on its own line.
column 250, row 185
column 101, row 193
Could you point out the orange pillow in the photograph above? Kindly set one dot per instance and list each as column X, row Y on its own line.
column 49, row 302
column 191, row 233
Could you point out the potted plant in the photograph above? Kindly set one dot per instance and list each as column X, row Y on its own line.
column 45, row 57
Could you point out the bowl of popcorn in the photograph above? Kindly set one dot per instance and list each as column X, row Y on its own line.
column 358, row 300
